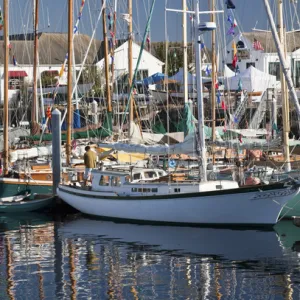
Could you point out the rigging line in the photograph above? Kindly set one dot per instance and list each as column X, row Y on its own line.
column 139, row 58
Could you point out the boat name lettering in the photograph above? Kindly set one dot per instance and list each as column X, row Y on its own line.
column 272, row 194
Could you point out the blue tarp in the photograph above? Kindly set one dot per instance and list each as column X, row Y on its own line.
column 153, row 79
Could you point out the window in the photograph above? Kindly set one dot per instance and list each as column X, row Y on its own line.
column 154, row 190
column 115, row 181
column 249, row 64
column 150, row 174
column 137, row 176
column 274, row 69
column 177, row 190
column 297, row 74
column 142, row 74
column 134, row 190
column 240, row 45
column 104, row 180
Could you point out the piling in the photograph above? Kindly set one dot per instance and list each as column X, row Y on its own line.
column 56, row 148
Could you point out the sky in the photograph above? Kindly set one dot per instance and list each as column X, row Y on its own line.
column 54, row 17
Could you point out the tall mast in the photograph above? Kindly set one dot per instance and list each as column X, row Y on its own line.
column 108, row 94
column 5, row 105
column 113, row 47
column 213, row 74
column 284, row 95
column 201, row 133
column 130, row 73
column 69, row 98
column 34, row 115
column 185, row 60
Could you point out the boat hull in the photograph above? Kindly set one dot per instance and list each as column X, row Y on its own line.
column 11, row 186
column 26, row 205
column 237, row 206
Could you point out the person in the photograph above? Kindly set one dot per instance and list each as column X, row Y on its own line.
column 90, row 159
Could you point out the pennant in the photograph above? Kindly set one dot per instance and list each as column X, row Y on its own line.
column 218, row 97
column 240, row 86
column 216, row 84
column 230, row 31
column 234, row 48
column 235, row 119
column 1, row 19
column 207, row 71
column 148, row 42
column 202, row 45
column 230, row 4
column 240, row 138
column 223, row 105
column 14, row 61
column 237, row 70
column 234, row 23
column 62, row 69
column 234, row 61
column 241, row 37
column 230, row 19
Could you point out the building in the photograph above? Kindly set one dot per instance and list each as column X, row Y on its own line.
column 52, row 51
column 266, row 60
column 148, row 66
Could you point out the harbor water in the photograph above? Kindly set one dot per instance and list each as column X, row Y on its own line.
column 75, row 257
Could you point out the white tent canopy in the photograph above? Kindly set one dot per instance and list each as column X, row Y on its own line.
column 190, row 78
column 252, row 80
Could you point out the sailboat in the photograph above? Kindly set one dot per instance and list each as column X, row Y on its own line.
column 113, row 194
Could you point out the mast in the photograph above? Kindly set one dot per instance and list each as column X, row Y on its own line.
column 34, row 115
column 213, row 74
column 185, row 60
column 108, row 94
column 285, row 68
column 284, row 95
column 5, row 104
column 201, row 133
column 69, row 98
column 130, row 73
column 113, row 47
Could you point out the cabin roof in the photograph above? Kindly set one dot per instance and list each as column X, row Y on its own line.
column 52, row 48
column 110, row 173
column 267, row 41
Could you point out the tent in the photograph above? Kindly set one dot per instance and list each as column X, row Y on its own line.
column 190, row 78
column 252, row 80
column 153, row 79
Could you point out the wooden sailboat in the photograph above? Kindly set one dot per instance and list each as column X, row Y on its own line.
column 206, row 202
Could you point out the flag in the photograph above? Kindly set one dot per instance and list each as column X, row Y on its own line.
column 14, row 61
column 216, row 84
column 230, row 4
column 148, row 42
column 257, row 45
column 223, row 105
column 218, row 97
column 234, row 23
column 1, row 20
column 207, row 71
column 237, row 69
column 234, row 48
column 235, row 119
column 234, row 61
column 240, row 138
column 229, row 19
column 231, row 30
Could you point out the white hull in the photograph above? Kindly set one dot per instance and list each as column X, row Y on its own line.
column 238, row 206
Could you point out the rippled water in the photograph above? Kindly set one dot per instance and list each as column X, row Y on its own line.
column 82, row 258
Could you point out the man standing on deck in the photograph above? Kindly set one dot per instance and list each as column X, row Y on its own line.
column 90, row 159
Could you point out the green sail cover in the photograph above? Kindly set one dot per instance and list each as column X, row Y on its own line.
column 102, row 132
column 187, row 123
column 159, row 127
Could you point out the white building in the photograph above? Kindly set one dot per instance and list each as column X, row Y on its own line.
column 148, row 66
column 266, row 60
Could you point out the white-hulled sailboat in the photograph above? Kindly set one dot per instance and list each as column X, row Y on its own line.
column 115, row 194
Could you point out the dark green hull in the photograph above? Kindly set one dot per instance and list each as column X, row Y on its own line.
column 11, row 189
column 27, row 205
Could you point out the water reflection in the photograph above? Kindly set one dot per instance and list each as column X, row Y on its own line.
column 92, row 259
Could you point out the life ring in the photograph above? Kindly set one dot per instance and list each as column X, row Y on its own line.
column 49, row 177
column 172, row 163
